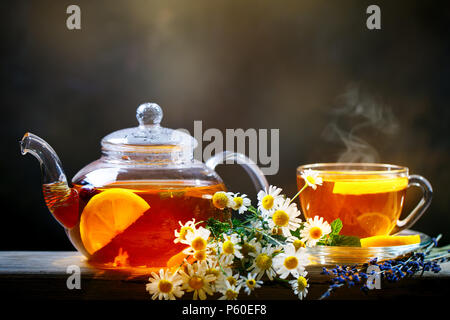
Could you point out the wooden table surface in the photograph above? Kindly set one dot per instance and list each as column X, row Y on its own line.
column 43, row 275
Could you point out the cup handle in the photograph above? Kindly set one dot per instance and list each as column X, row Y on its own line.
column 255, row 173
column 422, row 206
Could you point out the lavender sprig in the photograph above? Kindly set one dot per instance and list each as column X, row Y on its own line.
column 390, row 270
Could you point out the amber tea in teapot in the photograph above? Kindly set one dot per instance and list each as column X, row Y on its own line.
column 138, row 220
column 122, row 209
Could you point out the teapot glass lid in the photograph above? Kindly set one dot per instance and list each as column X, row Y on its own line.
column 149, row 136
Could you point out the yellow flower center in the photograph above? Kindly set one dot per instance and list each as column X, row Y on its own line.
column 228, row 247
column 251, row 283
column 198, row 244
column 184, row 231
column 238, row 201
column 267, row 202
column 220, row 200
column 315, row 233
column 291, row 262
column 200, row 255
column 311, row 180
column 165, row 286
column 298, row 244
column 263, row 261
column 231, row 294
column 196, row 282
column 212, row 251
column 302, row 283
column 277, row 231
column 231, row 280
column 280, row 218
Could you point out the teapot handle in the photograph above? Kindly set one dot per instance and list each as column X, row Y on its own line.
column 255, row 173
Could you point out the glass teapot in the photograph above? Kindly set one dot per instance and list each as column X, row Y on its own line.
column 123, row 208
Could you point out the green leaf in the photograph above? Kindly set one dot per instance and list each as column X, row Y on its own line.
column 296, row 233
column 345, row 241
column 336, row 227
column 217, row 227
column 236, row 222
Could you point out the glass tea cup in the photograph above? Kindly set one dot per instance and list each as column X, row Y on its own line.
column 368, row 198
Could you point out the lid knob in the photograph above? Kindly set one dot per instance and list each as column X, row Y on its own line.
column 149, row 114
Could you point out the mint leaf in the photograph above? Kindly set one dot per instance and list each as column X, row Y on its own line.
column 346, row 241
column 336, row 227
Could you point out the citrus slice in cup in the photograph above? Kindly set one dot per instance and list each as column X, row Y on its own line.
column 370, row 185
column 388, row 241
column 374, row 223
column 108, row 214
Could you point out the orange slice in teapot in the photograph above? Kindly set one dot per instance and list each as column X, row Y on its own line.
column 108, row 214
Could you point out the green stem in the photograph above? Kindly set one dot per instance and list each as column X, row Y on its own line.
column 297, row 194
column 264, row 234
column 281, row 280
column 252, row 209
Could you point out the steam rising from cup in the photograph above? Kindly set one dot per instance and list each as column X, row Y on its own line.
column 356, row 113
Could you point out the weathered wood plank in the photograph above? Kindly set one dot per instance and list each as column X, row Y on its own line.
column 42, row 275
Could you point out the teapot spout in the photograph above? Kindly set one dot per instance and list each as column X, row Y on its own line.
column 61, row 200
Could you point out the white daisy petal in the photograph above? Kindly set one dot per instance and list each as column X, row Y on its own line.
column 285, row 218
column 268, row 199
column 312, row 178
column 164, row 286
column 314, row 230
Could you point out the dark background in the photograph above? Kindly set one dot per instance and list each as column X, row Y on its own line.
column 310, row 68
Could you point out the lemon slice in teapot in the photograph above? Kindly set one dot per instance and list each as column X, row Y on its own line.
column 108, row 214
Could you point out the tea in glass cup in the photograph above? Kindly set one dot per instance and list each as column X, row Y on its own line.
column 368, row 198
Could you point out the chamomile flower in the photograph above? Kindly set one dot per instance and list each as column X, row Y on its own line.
column 230, row 248
column 312, row 178
column 300, row 286
column 284, row 218
column 165, row 285
column 227, row 276
column 290, row 261
column 213, row 268
column 221, row 200
column 249, row 283
column 263, row 262
column 197, row 240
column 296, row 242
column 181, row 235
column 195, row 279
column 250, row 246
column 204, row 255
column 314, row 230
column 230, row 291
column 238, row 202
column 268, row 199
